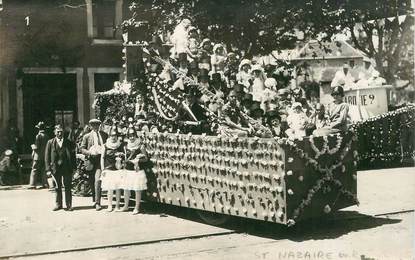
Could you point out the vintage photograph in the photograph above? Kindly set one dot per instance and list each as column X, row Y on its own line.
column 207, row 129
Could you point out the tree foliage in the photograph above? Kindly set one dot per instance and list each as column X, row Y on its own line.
column 261, row 26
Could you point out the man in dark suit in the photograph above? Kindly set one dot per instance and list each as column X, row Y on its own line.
column 74, row 133
column 91, row 147
column 60, row 162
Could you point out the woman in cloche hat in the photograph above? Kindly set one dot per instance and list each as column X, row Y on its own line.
column 135, row 177
column 110, row 163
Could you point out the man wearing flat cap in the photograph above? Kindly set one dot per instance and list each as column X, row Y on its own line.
column 338, row 118
column 38, row 174
column 60, row 162
column 91, row 147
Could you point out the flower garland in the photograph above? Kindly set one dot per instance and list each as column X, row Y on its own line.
column 326, row 148
column 327, row 177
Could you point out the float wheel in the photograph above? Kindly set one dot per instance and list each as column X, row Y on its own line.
column 211, row 218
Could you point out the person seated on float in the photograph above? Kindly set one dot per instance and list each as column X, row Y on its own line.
column 258, row 82
column 297, row 121
column 156, row 45
column 343, row 75
column 284, row 101
column 152, row 122
column 179, row 82
column 244, row 76
column 269, row 93
column 230, row 83
column 298, row 96
column 376, row 80
column 204, row 85
column 218, row 59
column 200, row 112
column 231, row 67
column 206, row 48
column 283, row 107
column 205, row 51
column 111, row 162
column 217, row 85
column 166, row 74
column 193, row 44
column 368, row 71
column 194, row 71
column 337, row 114
column 183, row 63
column 235, row 122
column 362, row 82
column 257, row 113
column 273, row 122
column 317, row 119
column 247, row 103
column 240, row 92
column 188, row 121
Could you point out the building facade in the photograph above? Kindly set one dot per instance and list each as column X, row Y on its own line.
column 54, row 55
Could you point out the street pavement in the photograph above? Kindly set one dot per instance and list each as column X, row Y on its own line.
column 382, row 227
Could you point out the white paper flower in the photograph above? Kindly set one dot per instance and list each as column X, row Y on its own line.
column 327, row 209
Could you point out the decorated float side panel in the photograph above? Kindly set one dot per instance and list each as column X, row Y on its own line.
column 387, row 138
column 320, row 175
column 240, row 177
column 245, row 177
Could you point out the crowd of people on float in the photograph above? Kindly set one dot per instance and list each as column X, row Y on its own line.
column 243, row 94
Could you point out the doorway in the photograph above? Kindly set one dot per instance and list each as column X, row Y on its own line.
column 51, row 98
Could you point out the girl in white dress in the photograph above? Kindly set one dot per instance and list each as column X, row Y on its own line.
column 135, row 176
column 258, row 84
column 111, row 175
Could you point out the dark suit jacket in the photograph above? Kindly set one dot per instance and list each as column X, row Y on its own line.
column 40, row 142
column 88, row 141
column 51, row 154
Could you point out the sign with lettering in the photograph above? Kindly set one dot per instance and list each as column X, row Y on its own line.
column 366, row 102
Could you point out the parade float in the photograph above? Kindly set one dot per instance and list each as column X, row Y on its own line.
column 269, row 179
column 278, row 180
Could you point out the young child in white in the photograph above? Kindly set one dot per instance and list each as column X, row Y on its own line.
column 297, row 120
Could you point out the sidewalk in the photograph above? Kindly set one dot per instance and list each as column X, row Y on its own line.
column 385, row 191
column 28, row 225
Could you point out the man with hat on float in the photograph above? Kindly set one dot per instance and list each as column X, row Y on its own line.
column 191, row 115
column 257, row 112
column 235, row 122
column 92, row 147
column 247, row 103
column 60, row 163
column 273, row 122
column 284, row 105
column 338, row 119
column 38, row 174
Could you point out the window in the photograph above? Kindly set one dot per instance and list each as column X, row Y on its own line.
column 105, row 81
column 104, row 19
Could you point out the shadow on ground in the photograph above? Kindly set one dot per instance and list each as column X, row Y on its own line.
column 333, row 226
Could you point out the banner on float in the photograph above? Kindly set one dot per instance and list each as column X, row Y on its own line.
column 366, row 102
